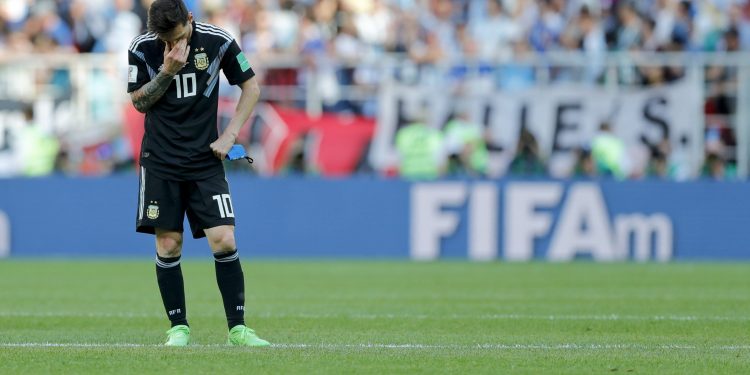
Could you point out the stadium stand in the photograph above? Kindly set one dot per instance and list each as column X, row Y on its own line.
column 325, row 56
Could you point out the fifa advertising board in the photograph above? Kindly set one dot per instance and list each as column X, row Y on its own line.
column 572, row 221
column 373, row 218
column 564, row 221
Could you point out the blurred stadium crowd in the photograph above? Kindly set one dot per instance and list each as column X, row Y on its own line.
column 341, row 40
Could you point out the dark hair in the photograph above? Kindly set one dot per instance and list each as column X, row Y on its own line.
column 165, row 15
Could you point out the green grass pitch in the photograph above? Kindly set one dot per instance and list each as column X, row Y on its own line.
column 79, row 317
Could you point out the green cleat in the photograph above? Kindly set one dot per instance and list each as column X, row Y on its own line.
column 244, row 336
column 178, row 335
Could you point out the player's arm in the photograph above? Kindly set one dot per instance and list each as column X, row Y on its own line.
column 151, row 92
column 246, row 104
column 148, row 94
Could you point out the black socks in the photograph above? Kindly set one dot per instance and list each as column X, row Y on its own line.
column 231, row 282
column 172, row 288
column 229, row 276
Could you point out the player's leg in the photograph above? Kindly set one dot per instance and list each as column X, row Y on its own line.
column 211, row 214
column 169, row 275
column 231, row 281
column 171, row 285
column 161, row 212
column 229, row 275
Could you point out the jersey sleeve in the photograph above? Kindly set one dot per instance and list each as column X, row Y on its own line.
column 137, row 71
column 235, row 65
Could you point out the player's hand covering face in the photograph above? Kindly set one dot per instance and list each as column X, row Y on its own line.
column 176, row 56
column 176, row 48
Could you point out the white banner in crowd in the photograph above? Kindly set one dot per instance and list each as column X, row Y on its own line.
column 561, row 117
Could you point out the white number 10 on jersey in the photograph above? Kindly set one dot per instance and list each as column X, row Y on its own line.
column 187, row 86
column 225, row 205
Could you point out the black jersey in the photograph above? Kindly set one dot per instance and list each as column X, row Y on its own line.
column 181, row 125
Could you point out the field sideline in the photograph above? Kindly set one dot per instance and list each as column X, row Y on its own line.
column 325, row 317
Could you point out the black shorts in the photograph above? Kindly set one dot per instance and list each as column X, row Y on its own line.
column 164, row 203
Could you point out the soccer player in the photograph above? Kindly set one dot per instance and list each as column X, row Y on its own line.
column 173, row 78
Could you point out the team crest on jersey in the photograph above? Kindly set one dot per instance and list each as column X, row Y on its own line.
column 201, row 61
column 152, row 212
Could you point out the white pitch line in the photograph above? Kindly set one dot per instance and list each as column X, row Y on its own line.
column 564, row 346
column 613, row 317
column 605, row 317
column 77, row 314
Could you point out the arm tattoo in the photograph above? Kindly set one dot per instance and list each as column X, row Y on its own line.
column 148, row 94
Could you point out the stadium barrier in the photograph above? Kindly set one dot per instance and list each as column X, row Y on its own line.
column 514, row 220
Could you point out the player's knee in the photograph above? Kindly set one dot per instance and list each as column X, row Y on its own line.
column 224, row 242
column 169, row 246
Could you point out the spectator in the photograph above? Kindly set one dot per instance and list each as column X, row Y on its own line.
column 714, row 168
column 585, row 167
column 683, row 26
column 658, row 164
column 375, row 25
column 738, row 20
column 284, row 24
column 47, row 24
column 592, row 44
column 649, row 41
column 348, row 50
column 496, row 33
column 629, row 34
column 663, row 23
column 37, row 149
column 527, row 160
column 609, row 153
column 465, row 145
column 420, row 149
column 124, row 26
column 83, row 26
column 548, row 27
